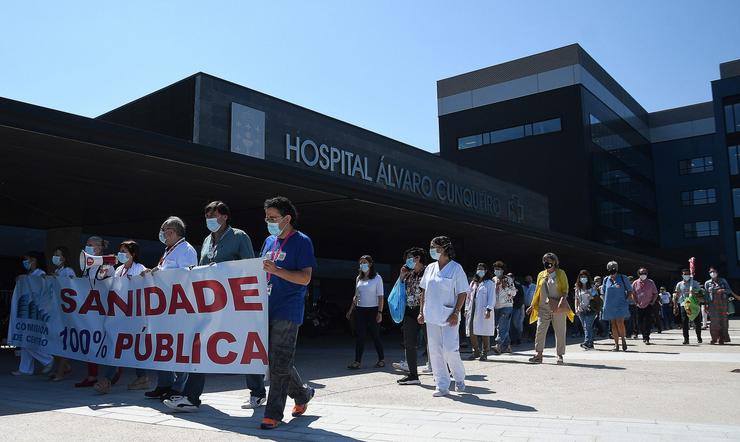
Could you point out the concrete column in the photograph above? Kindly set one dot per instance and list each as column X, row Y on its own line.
column 68, row 237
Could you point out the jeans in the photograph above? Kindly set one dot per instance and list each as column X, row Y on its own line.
column 364, row 319
column 168, row 379
column 667, row 316
column 197, row 382
column 284, row 378
column 517, row 324
column 630, row 327
column 685, row 325
column 411, row 329
column 587, row 319
column 502, row 317
column 645, row 320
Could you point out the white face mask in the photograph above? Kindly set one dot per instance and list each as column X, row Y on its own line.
column 686, row 277
column 481, row 273
column 643, row 277
column 713, row 275
column 162, row 237
column 498, row 273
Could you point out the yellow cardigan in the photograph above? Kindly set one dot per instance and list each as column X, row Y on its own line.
column 562, row 281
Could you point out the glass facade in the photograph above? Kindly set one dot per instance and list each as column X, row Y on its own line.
column 733, row 156
column 510, row 133
column 701, row 229
column 696, row 165
column 736, row 201
column 699, row 197
column 732, row 118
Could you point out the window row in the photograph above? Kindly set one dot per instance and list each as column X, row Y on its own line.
column 701, row 229
column 696, row 165
column 699, row 197
column 733, row 155
column 732, row 118
column 510, row 133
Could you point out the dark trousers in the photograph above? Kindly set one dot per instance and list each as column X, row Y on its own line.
column 645, row 321
column 667, row 316
column 411, row 329
column 631, row 326
column 197, row 382
column 284, row 378
column 364, row 320
column 685, row 325
column 655, row 308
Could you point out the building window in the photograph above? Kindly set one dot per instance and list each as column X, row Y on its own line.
column 736, row 201
column 696, row 165
column 510, row 133
column 737, row 244
column 701, row 229
column 732, row 118
column 733, row 154
column 698, row 197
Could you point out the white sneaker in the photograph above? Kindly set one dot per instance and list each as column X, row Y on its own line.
column 180, row 403
column 403, row 365
column 254, row 402
column 427, row 369
column 440, row 393
column 460, row 388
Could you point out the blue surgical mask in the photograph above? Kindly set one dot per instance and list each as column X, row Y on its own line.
column 212, row 224
column 364, row 268
column 122, row 257
column 584, row 280
column 686, row 277
column 498, row 273
column 410, row 263
column 162, row 237
column 481, row 273
column 434, row 254
column 27, row 264
column 56, row 260
column 274, row 229
column 90, row 250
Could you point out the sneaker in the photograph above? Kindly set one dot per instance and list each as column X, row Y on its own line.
column 403, row 366
column 254, row 402
column 299, row 409
column 269, row 424
column 103, row 386
column 156, row 393
column 460, row 388
column 483, row 357
column 560, row 361
column 180, row 403
column 408, row 380
column 440, row 393
column 140, row 383
column 427, row 369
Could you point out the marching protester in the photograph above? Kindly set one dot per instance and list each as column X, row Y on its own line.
column 505, row 292
column 61, row 260
column 616, row 289
column 550, row 305
column 601, row 324
column 445, row 288
column 666, row 308
column 585, row 293
column 684, row 288
column 411, row 273
column 646, row 295
column 631, row 324
column 717, row 294
column 368, row 308
column 95, row 246
column 517, row 313
column 178, row 253
column 479, row 320
column 289, row 263
column 529, row 288
column 224, row 243
column 34, row 264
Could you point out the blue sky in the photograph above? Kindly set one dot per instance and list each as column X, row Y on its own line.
column 374, row 64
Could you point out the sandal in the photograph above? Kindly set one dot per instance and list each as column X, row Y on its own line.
column 354, row 366
column 380, row 364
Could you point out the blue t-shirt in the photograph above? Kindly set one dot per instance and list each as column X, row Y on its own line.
column 286, row 298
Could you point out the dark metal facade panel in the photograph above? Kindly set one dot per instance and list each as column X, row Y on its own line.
column 729, row 69
column 693, row 112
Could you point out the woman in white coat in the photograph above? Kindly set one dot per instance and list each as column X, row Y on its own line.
column 444, row 289
column 479, row 319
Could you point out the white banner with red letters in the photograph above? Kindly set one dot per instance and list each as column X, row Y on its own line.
column 209, row 319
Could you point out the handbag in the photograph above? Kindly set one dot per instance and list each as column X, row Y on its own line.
column 397, row 301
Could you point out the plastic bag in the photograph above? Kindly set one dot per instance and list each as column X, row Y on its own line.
column 397, row 301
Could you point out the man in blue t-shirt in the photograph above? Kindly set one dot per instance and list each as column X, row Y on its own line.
column 289, row 262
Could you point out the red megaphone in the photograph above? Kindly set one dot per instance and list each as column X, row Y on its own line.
column 87, row 260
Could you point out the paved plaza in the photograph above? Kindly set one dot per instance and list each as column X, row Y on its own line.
column 666, row 391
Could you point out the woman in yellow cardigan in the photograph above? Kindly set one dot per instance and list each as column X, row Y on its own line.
column 550, row 305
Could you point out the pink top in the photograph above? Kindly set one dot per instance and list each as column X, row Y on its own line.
column 645, row 292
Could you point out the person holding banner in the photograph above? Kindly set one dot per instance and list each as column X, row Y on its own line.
column 289, row 262
column 63, row 263
column 411, row 273
column 33, row 263
column 178, row 253
column 224, row 243
column 684, row 289
column 368, row 306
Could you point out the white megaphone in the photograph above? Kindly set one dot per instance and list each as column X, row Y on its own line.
column 87, row 260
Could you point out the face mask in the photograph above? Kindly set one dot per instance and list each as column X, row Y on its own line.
column 612, row 271
column 584, row 280
column 90, row 250
column 434, row 254
column 686, row 277
column 364, row 267
column 498, row 273
column 212, row 224
column 27, row 264
column 410, row 263
column 274, row 228
column 713, row 275
column 122, row 257
column 162, row 237
column 56, row 260
column 643, row 277
column 481, row 273
column 548, row 265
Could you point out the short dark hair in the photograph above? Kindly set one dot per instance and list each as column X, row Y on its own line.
column 220, row 207
column 445, row 243
column 685, row 271
column 416, row 252
column 132, row 247
column 65, row 254
column 500, row 264
column 39, row 257
column 285, row 207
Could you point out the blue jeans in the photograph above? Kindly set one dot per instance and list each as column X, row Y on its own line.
column 197, row 382
column 175, row 381
column 667, row 316
column 517, row 324
column 284, row 378
column 502, row 317
column 587, row 319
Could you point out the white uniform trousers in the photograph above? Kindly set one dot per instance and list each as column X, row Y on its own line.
column 444, row 351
